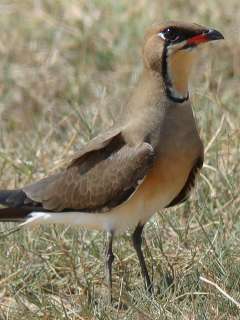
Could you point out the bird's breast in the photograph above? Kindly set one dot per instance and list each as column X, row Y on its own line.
column 166, row 179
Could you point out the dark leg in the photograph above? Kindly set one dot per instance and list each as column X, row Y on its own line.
column 109, row 261
column 137, row 243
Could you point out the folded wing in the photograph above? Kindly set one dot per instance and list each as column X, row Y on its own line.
column 103, row 175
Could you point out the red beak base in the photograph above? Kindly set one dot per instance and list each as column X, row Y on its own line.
column 205, row 36
column 200, row 38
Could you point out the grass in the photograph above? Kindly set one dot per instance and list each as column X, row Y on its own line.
column 66, row 70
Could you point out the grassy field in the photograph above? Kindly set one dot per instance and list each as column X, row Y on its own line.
column 66, row 69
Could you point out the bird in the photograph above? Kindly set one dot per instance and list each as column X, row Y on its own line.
column 146, row 162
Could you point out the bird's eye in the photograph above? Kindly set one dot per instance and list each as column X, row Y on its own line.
column 170, row 34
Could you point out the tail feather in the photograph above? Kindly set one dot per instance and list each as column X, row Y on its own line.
column 4, row 195
column 14, row 214
column 14, row 200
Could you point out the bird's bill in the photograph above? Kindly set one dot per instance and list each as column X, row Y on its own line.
column 210, row 35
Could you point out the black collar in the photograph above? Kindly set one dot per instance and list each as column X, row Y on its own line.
column 175, row 98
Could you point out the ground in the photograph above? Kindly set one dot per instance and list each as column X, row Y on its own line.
column 66, row 70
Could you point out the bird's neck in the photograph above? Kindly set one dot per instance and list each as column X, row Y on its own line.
column 142, row 113
column 176, row 69
column 148, row 91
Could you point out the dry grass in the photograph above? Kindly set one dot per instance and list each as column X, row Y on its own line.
column 66, row 69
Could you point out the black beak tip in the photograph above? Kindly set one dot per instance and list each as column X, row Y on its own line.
column 214, row 35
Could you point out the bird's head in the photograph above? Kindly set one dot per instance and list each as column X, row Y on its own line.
column 170, row 51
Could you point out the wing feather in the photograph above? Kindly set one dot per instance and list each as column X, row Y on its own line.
column 102, row 177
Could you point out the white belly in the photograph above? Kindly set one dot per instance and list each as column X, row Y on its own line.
column 118, row 220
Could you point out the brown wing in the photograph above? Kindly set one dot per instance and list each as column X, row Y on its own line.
column 102, row 176
column 95, row 144
column 184, row 193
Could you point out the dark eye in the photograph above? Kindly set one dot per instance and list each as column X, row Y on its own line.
column 170, row 34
